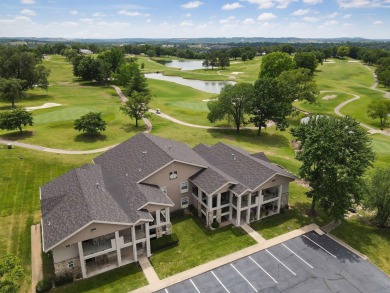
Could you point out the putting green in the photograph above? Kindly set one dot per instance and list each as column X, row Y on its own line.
column 66, row 114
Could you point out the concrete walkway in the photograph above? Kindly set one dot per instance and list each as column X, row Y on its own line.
column 256, row 236
column 148, row 270
column 224, row 260
column 36, row 260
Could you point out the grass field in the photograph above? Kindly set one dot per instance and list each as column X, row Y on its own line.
column 198, row 245
column 22, row 172
column 54, row 126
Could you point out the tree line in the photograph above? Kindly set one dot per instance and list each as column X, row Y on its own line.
column 281, row 81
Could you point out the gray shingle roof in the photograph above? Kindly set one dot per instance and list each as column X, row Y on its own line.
column 248, row 171
column 260, row 156
column 80, row 196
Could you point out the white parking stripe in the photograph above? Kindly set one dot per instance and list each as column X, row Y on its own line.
column 193, row 284
column 244, row 277
column 320, row 246
column 166, row 290
column 263, row 269
column 281, row 262
column 297, row 255
column 220, row 282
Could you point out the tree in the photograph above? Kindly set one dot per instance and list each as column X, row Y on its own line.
column 275, row 63
column 137, row 105
column 379, row 109
column 15, row 119
column 233, row 102
column 115, row 57
column 342, row 51
column 223, row 59
column 269, row 103
column 10, row 272
column 335, row 152
column 12, row 90
column 306, row 60
column 378, row 196
column 298, row 84
column 90, row 123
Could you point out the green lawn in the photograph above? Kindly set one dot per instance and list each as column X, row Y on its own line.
column 197, row 245
column 293, row 218
column 22, row 172
column 54, row 126
column 371, row 241
column 123, row 279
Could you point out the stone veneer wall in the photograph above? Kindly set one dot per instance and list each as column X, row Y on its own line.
column 61, row 268
column 284, row 200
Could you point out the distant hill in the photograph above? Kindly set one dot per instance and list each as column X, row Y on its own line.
column 195, row 40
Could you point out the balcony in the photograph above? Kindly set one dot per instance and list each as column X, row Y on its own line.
column 99, row 244
column 270, row 194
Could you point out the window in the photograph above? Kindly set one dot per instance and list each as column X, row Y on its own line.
column 185, row 202
column 184, row 186
column 164, row 189
column 172, row 175
column 70, row 264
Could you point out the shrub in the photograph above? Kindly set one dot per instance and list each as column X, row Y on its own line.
column 177, row 214
column 215, row 224
column 63, row 279
column 164, row 242
column 43, row 286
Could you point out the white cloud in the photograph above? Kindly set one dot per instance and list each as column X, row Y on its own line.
column 27, row 1
column 331, row 22
column 262, row 4
column 86, row 20
column 347, row 24
column 266, row 16
column 311, row 19
column 229, row 20
column 377, row 22
column 188, row 15
column 363, row 3
column 231, row 6
column 347, row 16
column 186, row 23
column 300, row 12
column 312, row 2
column 28, row 12
column 98, row 14
column 67, row 24
column 332, row 15
column 248, row 21
column 73, row 12
column 192, row 4
column 284, row 3
column 132, row 13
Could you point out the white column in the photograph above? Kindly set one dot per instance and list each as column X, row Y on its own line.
column 238, row 220
column 118, row 249
column 82, row 261
column 230, row 206
column 248, row 210
column 279, row 196
column 167, row 215
column 259, row 205
column 158, row 218
column 148, row 252
column 134, row 245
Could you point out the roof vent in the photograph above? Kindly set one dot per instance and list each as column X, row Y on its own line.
column 127, row 174
column 139, row 170
column 169, row 147
column 97, row 184
column 233, row 156
column 49, row 223
column 144, row 152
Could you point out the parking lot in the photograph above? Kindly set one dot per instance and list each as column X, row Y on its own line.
column 309, row 263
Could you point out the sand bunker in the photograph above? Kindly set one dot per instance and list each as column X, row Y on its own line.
column 329, row 97
column 353, row 61
column 236, row 72
column 44, row 106
column 329, row 62
column 208, row 100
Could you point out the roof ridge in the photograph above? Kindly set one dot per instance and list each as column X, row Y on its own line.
column 163, row 149
column 81, row 188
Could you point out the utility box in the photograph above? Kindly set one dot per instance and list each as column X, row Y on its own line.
column 10, row 146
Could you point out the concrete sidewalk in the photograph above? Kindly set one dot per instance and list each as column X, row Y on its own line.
column 155, row 286
column 256, row 236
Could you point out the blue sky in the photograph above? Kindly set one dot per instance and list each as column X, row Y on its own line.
column 203, row 18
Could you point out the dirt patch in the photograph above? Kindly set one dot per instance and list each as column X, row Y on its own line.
column 329, row 97
column 329, row 62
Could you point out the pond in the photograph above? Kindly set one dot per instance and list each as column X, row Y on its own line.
column 213, row 87
column 183, row 64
